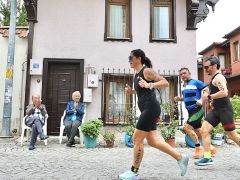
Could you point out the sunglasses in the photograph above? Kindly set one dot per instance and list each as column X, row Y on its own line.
column 130, row 58
column 206, row 67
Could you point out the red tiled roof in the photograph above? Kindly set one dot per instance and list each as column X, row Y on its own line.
column 21, row 32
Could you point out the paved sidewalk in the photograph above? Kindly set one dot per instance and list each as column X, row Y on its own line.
column 56, row 161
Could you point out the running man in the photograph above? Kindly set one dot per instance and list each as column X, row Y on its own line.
column 192, row 99
column 222, row 109
column 145, row 80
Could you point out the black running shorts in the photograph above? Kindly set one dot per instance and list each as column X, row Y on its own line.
column 223, row 115
column 150, row 111
column 195, row 117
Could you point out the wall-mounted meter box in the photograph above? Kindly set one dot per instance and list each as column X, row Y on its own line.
column 92, row 80
column 87, row 95
column 36, row 66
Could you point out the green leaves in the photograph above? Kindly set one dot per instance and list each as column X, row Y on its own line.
column 235, row 100
column 108, row 136
column 130, row 129
column 168, row 131
column 5, row 11
column 22, row 17
column 92, row 128
column 217, row 130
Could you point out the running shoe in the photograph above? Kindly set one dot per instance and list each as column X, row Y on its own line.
column 128, row 175
column 183, row 163
column 204, row 162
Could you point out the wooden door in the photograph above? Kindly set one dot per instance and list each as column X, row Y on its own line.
column 62, row 80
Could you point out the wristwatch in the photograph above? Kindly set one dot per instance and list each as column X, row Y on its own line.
column 151, row 85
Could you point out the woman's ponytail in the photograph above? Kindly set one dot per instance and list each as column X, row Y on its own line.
column 144, row 60
column 147, row 62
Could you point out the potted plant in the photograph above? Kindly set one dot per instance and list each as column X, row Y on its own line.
column 128, row 136
column 91, row 130
column 168, row 131
column 169, row 125
column 109, row 138
column 217, row 135
column 129, row 129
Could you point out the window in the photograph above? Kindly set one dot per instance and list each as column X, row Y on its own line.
column 116, row 103
column 236, row 51
column 118, row 20
column 222, row 61
column 162, row 18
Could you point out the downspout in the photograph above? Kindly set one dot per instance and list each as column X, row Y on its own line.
column 31, row 8
column 29, row 56
column 21, row 97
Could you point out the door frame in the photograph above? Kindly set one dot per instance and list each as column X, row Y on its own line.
column 47, row 61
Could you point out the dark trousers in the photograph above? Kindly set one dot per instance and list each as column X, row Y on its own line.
column 36, row 129
column 71, row 128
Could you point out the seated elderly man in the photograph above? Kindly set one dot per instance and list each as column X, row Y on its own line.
column 36, row 118
column 73, row 118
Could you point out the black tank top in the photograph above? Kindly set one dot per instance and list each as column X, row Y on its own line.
column 221, row 102
column 142, row 92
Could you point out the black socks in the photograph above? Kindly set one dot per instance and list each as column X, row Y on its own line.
column 133, row 169
column 197, row 145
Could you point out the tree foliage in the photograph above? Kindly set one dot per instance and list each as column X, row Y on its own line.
column 5, row 12
column 22, row 16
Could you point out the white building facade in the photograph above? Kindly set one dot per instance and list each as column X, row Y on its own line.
column 84, row 45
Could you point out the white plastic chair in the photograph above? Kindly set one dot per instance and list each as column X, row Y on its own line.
column 62, row 126
column 25, row 127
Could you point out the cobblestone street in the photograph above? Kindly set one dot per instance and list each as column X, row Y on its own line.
column 56, row 161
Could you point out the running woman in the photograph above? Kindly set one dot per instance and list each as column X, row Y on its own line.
column 222, row 109
column 145, row 80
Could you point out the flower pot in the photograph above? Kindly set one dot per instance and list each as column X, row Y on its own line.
column 89, row 142
column 128, row 141
column 171, row 142
column 110, row 144
column 217, row 139
column 190, row 142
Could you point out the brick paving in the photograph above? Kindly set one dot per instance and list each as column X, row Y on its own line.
column 56, row 161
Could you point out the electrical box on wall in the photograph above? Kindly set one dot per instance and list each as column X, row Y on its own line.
column 92, row 80
column 36, row 66
column 87, row 95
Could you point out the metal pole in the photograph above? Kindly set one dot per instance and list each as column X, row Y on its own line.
column 7, row 108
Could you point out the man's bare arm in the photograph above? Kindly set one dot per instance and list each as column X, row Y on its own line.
column 221, row 83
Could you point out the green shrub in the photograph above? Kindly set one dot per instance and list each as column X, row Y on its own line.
column 235, row 100
column 130, row 129
column 92, row 128
column 108, row 136
column 217, row 130
column 168, row 131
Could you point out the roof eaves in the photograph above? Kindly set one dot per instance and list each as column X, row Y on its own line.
column 214, row 44
column 232, row 33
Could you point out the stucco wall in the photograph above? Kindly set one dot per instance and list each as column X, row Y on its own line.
column 235, row 63
column 20, row 57
column 75, row 29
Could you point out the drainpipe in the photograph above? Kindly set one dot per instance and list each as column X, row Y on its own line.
column 21, row 95
column 7, row 107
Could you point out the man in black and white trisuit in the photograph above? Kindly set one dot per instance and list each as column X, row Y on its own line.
column 222, row 112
